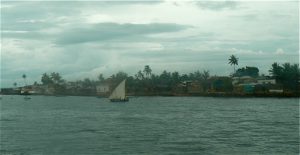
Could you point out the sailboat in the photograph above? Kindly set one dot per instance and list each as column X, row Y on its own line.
column 119, row 93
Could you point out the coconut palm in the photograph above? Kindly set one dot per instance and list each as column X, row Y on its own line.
column 139, row 75
column 15, row 84
column 233, row 60
column 101, row 77
column 24, row 77
column 147, row 71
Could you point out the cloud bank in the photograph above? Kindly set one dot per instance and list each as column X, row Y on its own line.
column 83, row 39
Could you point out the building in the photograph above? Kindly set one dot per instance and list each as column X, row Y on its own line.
column 103, row 89
column 266, row 81
column 220, row 84
column 243, row 80
column 248, row 88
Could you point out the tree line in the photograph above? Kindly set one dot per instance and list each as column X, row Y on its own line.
column 145, row 80
column 286, row 74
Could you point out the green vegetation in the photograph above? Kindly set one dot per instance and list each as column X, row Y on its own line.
column 15, row 84
column 233, row 60
column 248, row 71
column 55, row 82
column 24, row 77
column 287, row 75
column 246, row 80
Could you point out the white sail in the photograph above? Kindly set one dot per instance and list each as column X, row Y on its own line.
column 119, row 92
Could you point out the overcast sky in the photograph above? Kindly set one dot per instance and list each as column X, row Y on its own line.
column 84, row 39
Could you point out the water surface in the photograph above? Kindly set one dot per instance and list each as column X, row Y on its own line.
column 148, row 125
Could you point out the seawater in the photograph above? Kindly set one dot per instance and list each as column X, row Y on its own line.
column 48, row 125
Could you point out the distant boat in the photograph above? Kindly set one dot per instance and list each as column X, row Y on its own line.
column 27, row 98
column 119, row 93
column 25, row 92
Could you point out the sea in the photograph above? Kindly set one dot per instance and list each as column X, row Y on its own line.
column 72, row 125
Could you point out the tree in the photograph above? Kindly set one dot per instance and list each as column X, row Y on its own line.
column 233, row 60
column 286, row 74
column 46, row 79
column 15, row 84
column 35, row 83
column 165, row 77
column 276, row 71
column 205, row 75
column 248, row 71
column 87, row 83
column 120, row 76
column 290, row 76
column 139, row 75
column 147, row 71
column 24, row 77
column 56, row 78
column 175, row 77
column 184, row 77
column 101, row 77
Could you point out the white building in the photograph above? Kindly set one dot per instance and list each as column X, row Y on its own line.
column 102, row 88
column 266, row 81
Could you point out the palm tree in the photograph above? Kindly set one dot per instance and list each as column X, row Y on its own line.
column 205, row 75
column 204, row 80
column 15, row 84
column 100, row 77
column 233, row 61
column 147, row 71
column 24, row 77
column 139, row 75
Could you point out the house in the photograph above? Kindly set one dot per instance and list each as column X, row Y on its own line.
column 220, row 84
column 103, row 89
column 28, row 90
column 243, row 80
column 276, row 90
column 36, row 89
column 195, row 87
column 191, row 87
column 248, row 88
column 266, row 81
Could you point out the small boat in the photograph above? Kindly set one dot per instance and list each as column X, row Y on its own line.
column 27, row 98
column 119, row 93
column 25, row 92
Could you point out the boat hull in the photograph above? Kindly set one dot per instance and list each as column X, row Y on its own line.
column 119, row 100
column 25, row 93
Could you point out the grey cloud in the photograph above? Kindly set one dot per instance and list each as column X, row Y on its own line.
column 290, row 45
column 37, row 10
column 246, row 17
column 109, row 31
column 146, row 2
column 107, row 48
column 32, row 16
column 24, row 35
column 24, row 26
column 217, row 5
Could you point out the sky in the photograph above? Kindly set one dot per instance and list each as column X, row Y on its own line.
column 83, row 39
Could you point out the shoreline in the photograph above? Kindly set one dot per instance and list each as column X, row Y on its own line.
column 216, row 94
